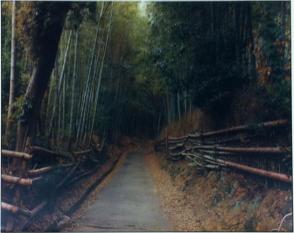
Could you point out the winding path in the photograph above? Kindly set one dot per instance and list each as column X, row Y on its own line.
column 127, row 203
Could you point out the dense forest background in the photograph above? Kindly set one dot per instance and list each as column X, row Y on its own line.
column 132, row 68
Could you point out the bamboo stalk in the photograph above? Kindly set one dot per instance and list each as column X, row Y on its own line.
column 14, row 209
column 58, row 88
column 73, row 87
column 86, row 88
column 16, row 154
column 18, row 180
column 12, row 75
column 100, row 75
column 68, row 175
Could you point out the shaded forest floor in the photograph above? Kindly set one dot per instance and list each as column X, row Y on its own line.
column 197, row 200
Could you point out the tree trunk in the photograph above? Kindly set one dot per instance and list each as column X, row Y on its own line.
column 40, row 79
column 43, row 60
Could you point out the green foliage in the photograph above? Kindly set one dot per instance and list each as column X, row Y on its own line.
column 17, row 105
column 272, row 22
column 203, row 56
column 161, row 57
column 206, row 49
column 80, row 12
column 22, row 66
column 276, row 100
column 33, row 21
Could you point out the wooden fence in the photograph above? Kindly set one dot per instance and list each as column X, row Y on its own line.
column 232, row 148
column 48, row 173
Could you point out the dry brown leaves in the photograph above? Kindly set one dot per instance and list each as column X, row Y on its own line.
column 216, row 201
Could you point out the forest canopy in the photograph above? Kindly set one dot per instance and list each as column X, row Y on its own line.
column 126, row 68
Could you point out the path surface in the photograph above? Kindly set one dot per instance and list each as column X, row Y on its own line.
column 127, row 203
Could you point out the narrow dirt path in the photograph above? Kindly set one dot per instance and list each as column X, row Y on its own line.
column 127, row 203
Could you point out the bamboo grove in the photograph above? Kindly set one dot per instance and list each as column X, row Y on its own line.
column 112, row 69
column 68, row 100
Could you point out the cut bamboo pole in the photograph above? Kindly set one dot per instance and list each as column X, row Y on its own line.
column 83, row 152
column 46, row 152
column 178, row 139
column 34, row 212
column 253, row 150
column 43, row 170
column 40, row 170
column 257, row 150
column 68, row 175
column 38, row 208
column 83, row 174
column 268, row 124
column 274, row 175
column 18, row 180
column 177, row 146
column 227, row 140
column 14, row 209
column 211, row 152
column 16, row 154
column 176, row 142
